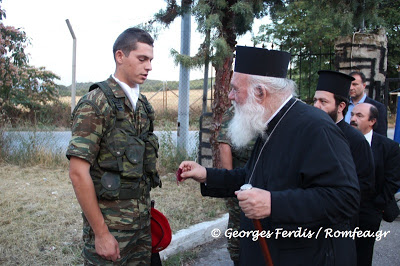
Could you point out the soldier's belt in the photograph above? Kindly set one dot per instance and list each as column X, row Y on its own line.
column 126, row 194
column 109, row 187
column 122, row 194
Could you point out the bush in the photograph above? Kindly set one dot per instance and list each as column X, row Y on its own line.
column 49, row 116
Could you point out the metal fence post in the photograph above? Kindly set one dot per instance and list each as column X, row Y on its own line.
column 184, row 83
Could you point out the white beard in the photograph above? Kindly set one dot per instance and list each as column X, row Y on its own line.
column 247, row 123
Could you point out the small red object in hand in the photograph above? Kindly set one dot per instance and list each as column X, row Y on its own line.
column 178, row 176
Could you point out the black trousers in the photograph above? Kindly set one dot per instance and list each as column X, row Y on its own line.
column 369, row 220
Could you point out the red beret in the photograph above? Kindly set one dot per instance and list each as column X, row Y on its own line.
column 161, row 234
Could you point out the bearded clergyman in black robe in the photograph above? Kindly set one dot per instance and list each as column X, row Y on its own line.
column 304, row 187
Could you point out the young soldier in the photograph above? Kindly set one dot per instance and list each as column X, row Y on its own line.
column 112, row 156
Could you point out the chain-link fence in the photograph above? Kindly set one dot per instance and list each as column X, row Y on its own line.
column 164, row 97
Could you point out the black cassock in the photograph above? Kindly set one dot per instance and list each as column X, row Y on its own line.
column 308, row 168
column 363, row 161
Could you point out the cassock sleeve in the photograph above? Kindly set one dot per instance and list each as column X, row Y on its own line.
column 222, row 183
column 328, row 192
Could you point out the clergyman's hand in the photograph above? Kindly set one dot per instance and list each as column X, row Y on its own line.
column 193, row 170
column 107, row 246
column 255, row 202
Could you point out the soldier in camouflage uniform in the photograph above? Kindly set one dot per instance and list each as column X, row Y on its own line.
column 112, row 156
column 230, row 159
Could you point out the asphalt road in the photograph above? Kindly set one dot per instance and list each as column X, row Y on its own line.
column 386, row 251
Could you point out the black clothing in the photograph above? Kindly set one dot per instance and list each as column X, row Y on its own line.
column 387, row 168
column 308, row 168
column 386, row 154
column 363, row 160
column 382, row 125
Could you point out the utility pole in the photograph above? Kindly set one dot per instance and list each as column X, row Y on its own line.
column 184, row 81
column 73, row 85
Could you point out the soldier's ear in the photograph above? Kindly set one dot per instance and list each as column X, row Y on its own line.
column 119, row 55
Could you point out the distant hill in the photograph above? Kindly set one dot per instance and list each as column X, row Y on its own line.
column 149, row 85
column 81, row 89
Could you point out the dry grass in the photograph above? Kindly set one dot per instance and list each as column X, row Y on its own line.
column 183, row 205
column 40, row 222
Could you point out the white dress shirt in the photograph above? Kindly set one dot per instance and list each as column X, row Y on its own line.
column 131, row 93
column 368, row 137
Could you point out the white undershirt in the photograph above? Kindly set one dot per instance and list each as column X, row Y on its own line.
column 131, row 93
column 368, row 137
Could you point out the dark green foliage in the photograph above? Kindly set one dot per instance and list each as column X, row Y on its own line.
column 302, row 25
column 223, row 19
column 389, row 12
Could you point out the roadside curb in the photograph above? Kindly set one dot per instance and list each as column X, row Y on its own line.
column 194, row 236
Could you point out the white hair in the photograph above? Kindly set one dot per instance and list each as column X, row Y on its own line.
column 273, row 85
column 250, row 117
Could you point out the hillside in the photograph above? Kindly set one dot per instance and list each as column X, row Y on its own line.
column 149, row 85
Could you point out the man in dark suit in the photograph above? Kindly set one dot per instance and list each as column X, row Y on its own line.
column 386, row 154
column 331, row 96
column 357, row 95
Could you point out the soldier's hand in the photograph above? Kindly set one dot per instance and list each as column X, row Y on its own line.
column 107, row 246
column 193, row 170
column 255, row 203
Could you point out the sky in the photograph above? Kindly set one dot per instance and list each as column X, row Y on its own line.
column 96, row 24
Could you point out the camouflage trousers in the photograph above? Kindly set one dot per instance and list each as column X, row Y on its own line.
column 234, row 222
column 134, row 246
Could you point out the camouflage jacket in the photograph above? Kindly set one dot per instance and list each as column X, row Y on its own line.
column 239, row 156
column 92, row 120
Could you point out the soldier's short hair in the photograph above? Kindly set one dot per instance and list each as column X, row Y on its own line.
column 127, row 40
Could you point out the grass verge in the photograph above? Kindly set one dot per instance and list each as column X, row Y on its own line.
column 41, row 219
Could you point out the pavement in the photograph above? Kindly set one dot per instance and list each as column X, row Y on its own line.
column 386, row 251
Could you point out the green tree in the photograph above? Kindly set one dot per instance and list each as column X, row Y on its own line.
column 20, row 83
column 221, row 22
column 389, row 12
column 12, row 56
column 302, row 27
column 316, row 23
